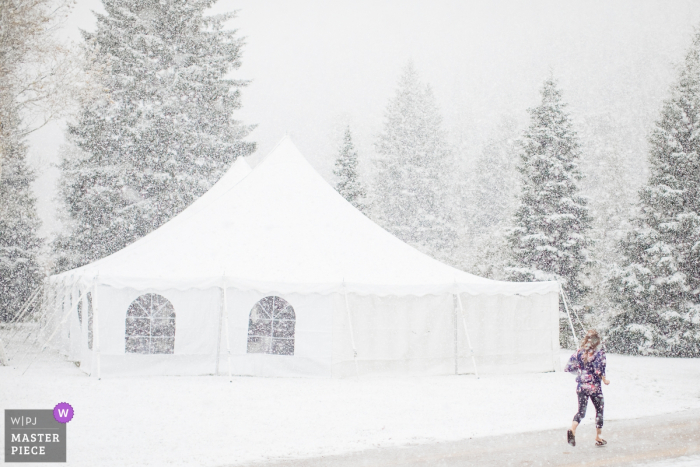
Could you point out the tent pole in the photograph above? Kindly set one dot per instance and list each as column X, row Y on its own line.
column 228, row 342
column 85, row 335
column 456, row 332
column 469, row 342
column 221, row 320
column 571, row 323
column 96, row 328
column 352, row 333
column 75, row 297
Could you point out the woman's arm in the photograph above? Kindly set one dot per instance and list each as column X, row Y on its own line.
column 573, row 364
column 601, row 364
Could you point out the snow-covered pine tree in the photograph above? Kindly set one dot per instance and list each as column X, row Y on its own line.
column 495, row 181
column 349, row 185
column 163, row 131
column 492, row 186
column 414, row 170
column 20, row 244
column 657, row 285
column 550, row 238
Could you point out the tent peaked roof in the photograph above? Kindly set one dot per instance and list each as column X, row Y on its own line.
column 283, row 229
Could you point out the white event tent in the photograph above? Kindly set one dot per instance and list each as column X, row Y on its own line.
column 273, row 273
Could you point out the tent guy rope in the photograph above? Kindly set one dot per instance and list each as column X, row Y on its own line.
column 568, row 314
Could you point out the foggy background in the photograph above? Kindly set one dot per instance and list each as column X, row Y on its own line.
column 316, row 66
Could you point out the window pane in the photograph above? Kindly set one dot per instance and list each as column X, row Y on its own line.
column 278, row 305
column 138, row 327
column 160, row 345
column 258, row 312
column 137, row 344
column 286, row 312
column 283, row 346
column 283, row 329
column 162, row 308
column 163, row 327
column 268, row 303
column 136, row 310
column 259, row 344
column 260, row 327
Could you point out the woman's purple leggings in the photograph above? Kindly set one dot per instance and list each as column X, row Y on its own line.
column 598, row 403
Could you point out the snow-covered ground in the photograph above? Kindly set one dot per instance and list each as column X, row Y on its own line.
column 211, row 421
column 685, row 461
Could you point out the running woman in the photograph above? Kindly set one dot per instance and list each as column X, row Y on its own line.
column 589, row 364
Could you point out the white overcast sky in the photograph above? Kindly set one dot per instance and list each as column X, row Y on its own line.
column 317, row 65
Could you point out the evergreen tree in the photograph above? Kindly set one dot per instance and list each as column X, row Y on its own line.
column 611, row 181
column 37, row 73
column 161, row 134
column 414, row 170
column 492, row 187
column 657, row 284
column 550, row 238
column 19, row 243
column 495, row 183
column 349, row 185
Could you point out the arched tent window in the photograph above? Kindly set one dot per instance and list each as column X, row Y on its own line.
column 150, row 325
column 271, row 327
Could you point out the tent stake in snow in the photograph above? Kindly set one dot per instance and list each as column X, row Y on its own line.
column 469, row 342
column 571, row 323
column 352, row 334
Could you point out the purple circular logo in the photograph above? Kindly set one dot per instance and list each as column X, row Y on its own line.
column 63, row 412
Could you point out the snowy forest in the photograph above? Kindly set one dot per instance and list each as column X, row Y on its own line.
column 151, row 100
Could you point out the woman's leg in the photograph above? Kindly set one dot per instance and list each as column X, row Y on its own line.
column 582, row 403
column 599, row 404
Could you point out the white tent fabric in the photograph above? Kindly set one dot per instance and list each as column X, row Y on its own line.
column 364, row 302
column 284, row 229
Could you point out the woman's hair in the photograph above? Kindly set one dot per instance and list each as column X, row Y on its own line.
column 591, row 341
